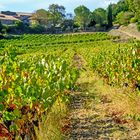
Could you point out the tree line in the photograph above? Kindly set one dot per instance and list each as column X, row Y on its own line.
column 123, row 12
column 56, row 19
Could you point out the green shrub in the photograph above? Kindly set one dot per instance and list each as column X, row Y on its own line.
column 36, row 28
column 123, row 18
column 98, row 27
column 133, row 20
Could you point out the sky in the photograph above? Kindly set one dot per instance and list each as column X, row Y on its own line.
column 33, row 5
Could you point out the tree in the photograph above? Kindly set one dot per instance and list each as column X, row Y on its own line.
column 67, row 25
column 41, row 17
column 130, row 4
column 123, row 18
column 57, row 14
column 99, row 16
column 82, row 16
column 134, row 6
column 137, row 8
column 121, row 6
column 21, row 26
column 109, row 16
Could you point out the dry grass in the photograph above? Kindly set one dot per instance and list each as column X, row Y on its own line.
column 116, row 100
column 103, row 110
column 113, row 101
column 50, row 127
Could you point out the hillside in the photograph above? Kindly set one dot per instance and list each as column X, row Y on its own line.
column 131, row 30
column 126, row 32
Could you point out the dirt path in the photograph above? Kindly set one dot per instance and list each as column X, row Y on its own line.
column 92, row 116
column 117, row 32
column 89, row 123
column 124, row 34
column 91, row 119
column 130, row 34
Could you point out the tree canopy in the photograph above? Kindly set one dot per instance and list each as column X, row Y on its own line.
column 57, row 13
column 100, row 16
column 41, row 17
column 82, row 16
column 109, row 16
column 134, row 6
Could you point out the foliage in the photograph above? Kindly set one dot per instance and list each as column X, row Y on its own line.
column 123, row 18
column 44, row 70
column 11, row 29
column 109, row 16
column 57, row 14
column 30, row 43
column 41, row 17
column 82, row 16
column 121, row 6
column 99, row 16
column 37, row 28
column 28, row 88
column 67, row 25
column 126, row 11
column 57, row 9
column 133, row 20
column 137, row 8
column 21, row 27
column 3, row 30
column 118, row 66
column 134, row 6
column 55, row 18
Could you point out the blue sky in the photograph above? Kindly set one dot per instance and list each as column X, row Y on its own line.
column 32, row 5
